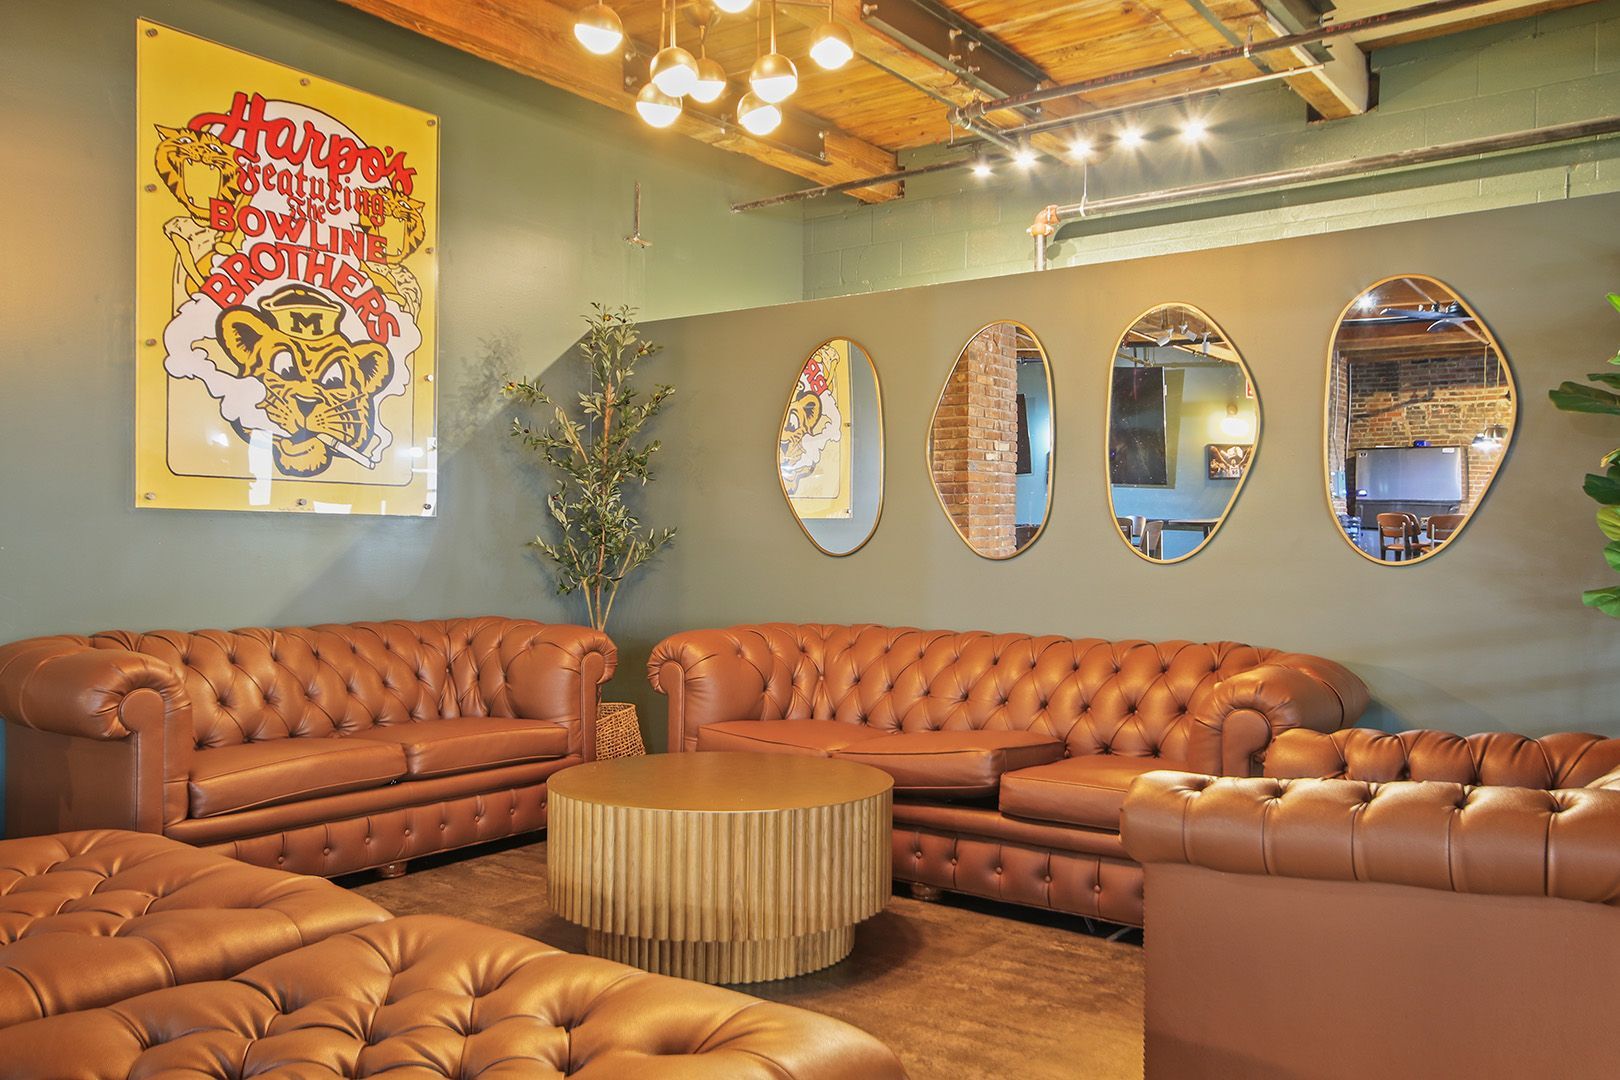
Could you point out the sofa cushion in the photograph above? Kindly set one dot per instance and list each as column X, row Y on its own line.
column 465, row 743
column 816, row 737
column 1087, row 790
column 953, row 764
column 229, row 778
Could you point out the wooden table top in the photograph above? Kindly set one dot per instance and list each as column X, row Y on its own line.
column 717, row 782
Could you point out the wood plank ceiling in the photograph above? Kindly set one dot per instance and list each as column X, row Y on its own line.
column 897, row 93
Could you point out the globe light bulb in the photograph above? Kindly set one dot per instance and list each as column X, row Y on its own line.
column 758, row 116
column 774, row 78
column 674, row 71
column 832, row 47
column 597, row 27
column 711, row 82
column 656, row 107
column 733, row 7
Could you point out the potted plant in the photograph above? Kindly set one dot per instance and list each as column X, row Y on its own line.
column 1604, row 486
column 593, row 448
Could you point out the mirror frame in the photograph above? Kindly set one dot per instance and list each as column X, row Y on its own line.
column 1051, row 455
column 1108, row 427
column 883, row 456
column 1327, row 419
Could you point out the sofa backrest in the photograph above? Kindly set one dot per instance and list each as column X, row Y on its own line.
column 1125, row 697
column 1491, row 759
column 256, row 684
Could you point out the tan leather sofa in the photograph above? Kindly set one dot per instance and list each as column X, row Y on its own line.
column 323, row 750
column 1452, row 909
column 284, row 975
column 1011, row 754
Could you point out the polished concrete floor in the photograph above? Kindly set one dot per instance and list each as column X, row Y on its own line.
column 960, row 989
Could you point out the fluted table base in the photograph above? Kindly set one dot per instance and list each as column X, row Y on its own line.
column 726, row 961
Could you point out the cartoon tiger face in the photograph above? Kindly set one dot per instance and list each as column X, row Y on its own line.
column 805, row 417
column 198, row 167
column 319, row 386
column 397, row 218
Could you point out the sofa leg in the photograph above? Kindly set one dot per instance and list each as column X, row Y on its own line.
column 919, row 891
column 392, row 870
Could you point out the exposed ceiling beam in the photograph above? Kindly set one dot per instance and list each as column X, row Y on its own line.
column 535, row 38
column 1337, row 87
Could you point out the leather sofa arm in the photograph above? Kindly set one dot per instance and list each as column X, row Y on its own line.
column 1250, row 709
column 1501, row 841
column 709, row 676
column 70, row 691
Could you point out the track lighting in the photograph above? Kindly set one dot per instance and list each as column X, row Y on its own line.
column 711, row 82
column 981, row 166
column 1194, row 130
column 597, row 27
column 1080, row 148
column 1024, row 157
column 756, row 115
column 1131, row 138
column 832, row 47
column 656, row 107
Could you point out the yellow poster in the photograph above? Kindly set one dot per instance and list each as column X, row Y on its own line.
column 816, row 449
column 286, row 288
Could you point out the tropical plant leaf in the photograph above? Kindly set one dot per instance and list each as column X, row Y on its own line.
column 1611, row 458
column 1610, row 377
column 1605, row 600
column 1614, row 298
column 1608, row 520
column 1604, row 488
column 1573, row 397
column 1611, row 552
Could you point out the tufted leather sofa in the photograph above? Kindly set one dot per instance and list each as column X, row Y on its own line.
column 1423, row 927
column 324, row 750
column 432, row 996
column 90, row 918
column 1011, row 754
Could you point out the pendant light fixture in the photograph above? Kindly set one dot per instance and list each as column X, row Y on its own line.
column 656, row 107
column 597, row 27
column 758, row 116
column 832, row 47
column 774, row 78
column 711, row 80
column 733, row 7
column 674, row 71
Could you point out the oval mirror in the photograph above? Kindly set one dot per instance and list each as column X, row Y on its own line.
column 1420, row 411
column 990, row 441
column 1183, row 425
column 829, row 452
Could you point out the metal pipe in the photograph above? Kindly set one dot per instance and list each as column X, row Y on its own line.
column 965, row 115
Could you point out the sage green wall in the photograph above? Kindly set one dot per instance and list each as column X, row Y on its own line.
column 1490, row 634
column 1549, row 69
column 536, row 195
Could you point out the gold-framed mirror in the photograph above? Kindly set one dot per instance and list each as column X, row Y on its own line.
column 829, row 448
column 990, row 442
column 1420, row 412
column 1183, row 429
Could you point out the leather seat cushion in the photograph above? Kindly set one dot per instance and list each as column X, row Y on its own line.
column 90, row 918
column 817, row 737
column 229, row 778
column 465, row 743
column 953, row 764
column 432, row 996
column 1087, row 790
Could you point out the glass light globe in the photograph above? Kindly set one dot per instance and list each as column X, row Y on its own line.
column 711, row 81
column 832, row 46
column 656, row 107
column 758, row 116
column 733, row 7
column 597, row 27
column 674, row 71
column 774, row 78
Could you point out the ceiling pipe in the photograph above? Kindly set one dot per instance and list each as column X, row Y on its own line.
column 967, row 116
column 1050, row 218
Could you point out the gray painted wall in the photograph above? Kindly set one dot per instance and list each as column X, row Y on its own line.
column 1488, row 635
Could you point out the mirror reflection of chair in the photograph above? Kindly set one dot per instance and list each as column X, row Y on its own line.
column 1443, row 527
column 1153, row 540
column 1400, row 533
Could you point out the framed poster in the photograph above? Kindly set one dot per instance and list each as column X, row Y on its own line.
column 286, row 288
column 815, row 451
column 1229, row 461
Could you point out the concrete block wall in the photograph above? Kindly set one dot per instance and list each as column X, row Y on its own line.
column 1549, row 69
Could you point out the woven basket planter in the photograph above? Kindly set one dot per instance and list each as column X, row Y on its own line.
column 618, row 732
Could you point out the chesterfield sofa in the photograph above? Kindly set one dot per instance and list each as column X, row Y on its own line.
column 1010, row 754
column 322, row 750
column 1437, row 906
column 126, row 955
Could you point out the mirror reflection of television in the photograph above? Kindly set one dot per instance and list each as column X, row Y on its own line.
column 1419, row 474
column 1136, row 436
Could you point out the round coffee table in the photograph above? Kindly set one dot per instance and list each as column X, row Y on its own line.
column 720, row 867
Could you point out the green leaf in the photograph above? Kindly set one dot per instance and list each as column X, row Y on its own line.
column 1614, row 298
column 1605, row 600
column 1611, row 458
column 1605, row 489
column 1611, row 552
column 1573, row 397
column 1608, row 520
column 1610, row 377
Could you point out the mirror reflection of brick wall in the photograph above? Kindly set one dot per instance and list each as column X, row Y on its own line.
column 1444, row 401
column 975, row 442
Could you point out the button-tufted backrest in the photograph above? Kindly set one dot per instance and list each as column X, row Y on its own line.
column 1491, row 759
column 1124, row 697
column 256, row 684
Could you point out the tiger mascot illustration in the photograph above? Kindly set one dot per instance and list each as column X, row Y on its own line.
column 197, row 168
column 397, row 219
column 809, row 424
column 320, row 388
